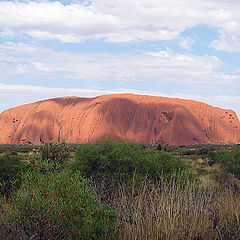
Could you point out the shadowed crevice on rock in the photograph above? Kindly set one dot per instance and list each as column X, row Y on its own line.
column 70, row 101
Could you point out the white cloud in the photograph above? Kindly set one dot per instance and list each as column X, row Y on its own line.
column 186, row 43
column 64, row 38
column 165, row 67
column 22, row 69
column 157, row 66
column 42, row 67
column 119, row 20
column 226, row 42
column 6, row 33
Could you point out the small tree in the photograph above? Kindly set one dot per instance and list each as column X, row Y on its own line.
column 55, row 152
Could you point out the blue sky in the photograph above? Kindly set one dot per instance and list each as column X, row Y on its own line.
column 186, row 49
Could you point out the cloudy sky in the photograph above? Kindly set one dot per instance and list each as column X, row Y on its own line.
column 186, row 49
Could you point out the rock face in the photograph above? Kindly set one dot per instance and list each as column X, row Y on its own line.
column 137, row 118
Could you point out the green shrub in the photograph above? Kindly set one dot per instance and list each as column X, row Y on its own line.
column 118, row 161
column 230, row 159
column 159, row 147
column 224, row 156
column 55, row 152
column 16, row 148
column 11, row 169
column 234, row 165
column 60, row 205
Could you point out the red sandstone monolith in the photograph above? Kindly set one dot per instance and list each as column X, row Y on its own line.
column 144, row 119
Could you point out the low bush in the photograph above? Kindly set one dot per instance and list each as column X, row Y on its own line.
column 59, row 205
column 16, row 148
column 55, row 152
column 230, row 159
column 234, row 165
column 119, row 161
column 11, row 169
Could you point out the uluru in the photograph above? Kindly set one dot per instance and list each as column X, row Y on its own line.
column 137, row 118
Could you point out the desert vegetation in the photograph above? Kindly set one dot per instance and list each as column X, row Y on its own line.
column 117, row 190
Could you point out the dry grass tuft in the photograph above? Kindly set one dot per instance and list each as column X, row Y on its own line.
column 175, row 211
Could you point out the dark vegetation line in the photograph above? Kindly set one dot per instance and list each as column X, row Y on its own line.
column 117, row 190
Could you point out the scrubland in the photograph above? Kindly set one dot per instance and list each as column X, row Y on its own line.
column 117, row 190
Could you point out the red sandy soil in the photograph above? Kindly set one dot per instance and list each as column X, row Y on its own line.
column 137, row 118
